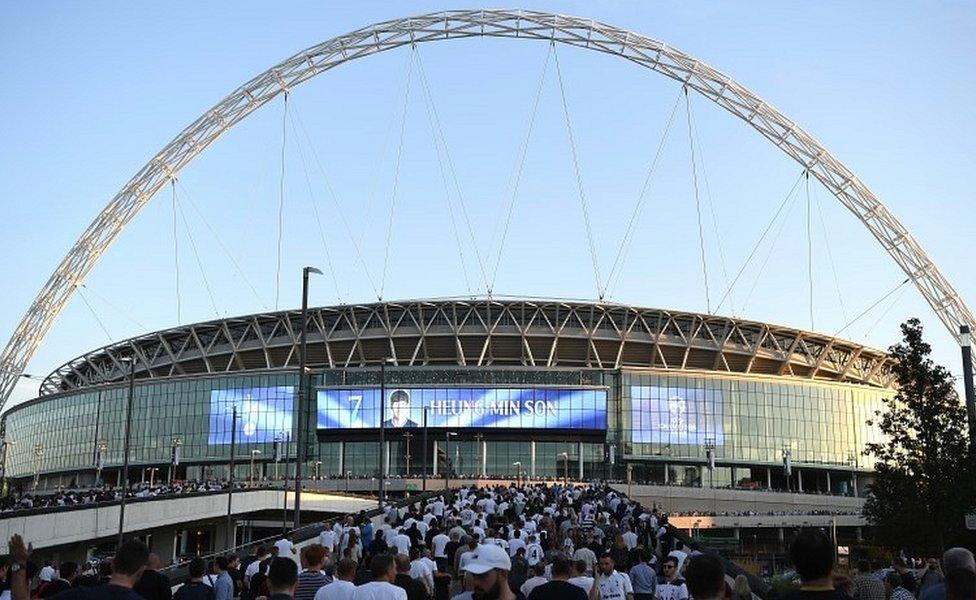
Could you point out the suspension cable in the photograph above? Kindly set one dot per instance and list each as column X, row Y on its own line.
column 335, row 202
column 213, row 232
column 520, row 166
column 396, row 179
column 711, row 205
column 454, row 177
column 428, row 101
column 622, row 251
column 315, row 209
column 870, row 308
column 762, row 237
column 196, row 255
column 94, row 314
column 176, row 255
column 885, row 312
column 115, row 307
column 809, row 250
column 694, row 179
column 281, row 199
column 830, row 255
column 579, row 177
column 769, row 254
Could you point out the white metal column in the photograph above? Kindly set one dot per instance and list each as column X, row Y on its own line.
column 799, row 480
column 434, row 472
column 387, row 450
column 579, row 450
column 532, row 463
column 342, row 458
column 484, row 458
column 829, row 489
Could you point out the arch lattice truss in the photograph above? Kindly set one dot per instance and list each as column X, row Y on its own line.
column 572, row 31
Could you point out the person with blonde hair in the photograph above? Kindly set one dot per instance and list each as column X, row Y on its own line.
column 740, row 588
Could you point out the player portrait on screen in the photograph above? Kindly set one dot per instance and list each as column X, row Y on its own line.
column 399, row 405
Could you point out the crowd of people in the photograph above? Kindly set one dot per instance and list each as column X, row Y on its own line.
column 768, row 513
column 533, row 542
column 108, row 493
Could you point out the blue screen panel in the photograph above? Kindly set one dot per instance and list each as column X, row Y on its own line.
column 263, row 414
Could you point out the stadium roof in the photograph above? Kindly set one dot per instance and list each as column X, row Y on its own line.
column 482, row 332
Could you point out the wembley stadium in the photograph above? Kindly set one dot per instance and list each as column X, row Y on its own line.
column 470, row 388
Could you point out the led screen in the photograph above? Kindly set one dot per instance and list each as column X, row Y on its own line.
column 263, row 414
column 516, row 408
column 674, row 415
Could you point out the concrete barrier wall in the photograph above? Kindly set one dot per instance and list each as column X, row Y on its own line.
column 79, row 525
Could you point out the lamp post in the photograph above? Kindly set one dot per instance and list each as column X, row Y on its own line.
column 710, row 459
column 253, row 454
column 174, row 456
column 787, row 465
column 481, row 456
column 381, row 494
column 424, row 475
column 565, row 456
column 518, row 472
column 302, row 377
column 38, row 455
column 969, row 390
column 6, row 449
column 128, row 440
column 447, row 457
column 852, row 462
column 408, row 436
column 230, row 477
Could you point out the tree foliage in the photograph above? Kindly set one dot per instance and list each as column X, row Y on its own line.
column 924, row 482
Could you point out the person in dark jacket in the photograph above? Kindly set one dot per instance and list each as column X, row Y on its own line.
column 153, row 585
column 415, row 590
column 195, row 589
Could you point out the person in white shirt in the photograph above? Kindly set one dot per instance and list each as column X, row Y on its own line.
column 630, row 539
column 342, row 587
column 580, row 579
column 534, row 552
column 537, row 579
column 420, row 570
column 515, row 543
column 327, row 539
column 47, row 572
column 285, row 548
column 439, row 543
column 611, row 584
column 383, row 569
column 402, row 543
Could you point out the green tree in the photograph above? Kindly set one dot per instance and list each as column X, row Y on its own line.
column 924, row 482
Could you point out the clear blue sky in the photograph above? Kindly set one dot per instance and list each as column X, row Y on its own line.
column 93, row 90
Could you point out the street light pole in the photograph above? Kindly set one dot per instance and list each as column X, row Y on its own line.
column 302, row 377
column 253, row 454
column 408, row 436
column 967, row 378
column 381, row 494
column 230, row 478
column 125, row 445
column 425, row 451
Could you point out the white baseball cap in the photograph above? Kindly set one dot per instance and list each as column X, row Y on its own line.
column 487, row 557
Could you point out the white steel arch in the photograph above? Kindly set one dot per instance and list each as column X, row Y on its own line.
column 573, row 31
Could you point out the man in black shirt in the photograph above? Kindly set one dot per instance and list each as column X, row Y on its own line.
column 415, row 590
column 559, row 588
column 128, row 566
column 195, row 589
column 705, row 577
column 907, row 577
column 153, row 585
column 813, row 557
column 282, row 578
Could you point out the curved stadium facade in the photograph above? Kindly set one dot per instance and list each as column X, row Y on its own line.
column 591, row 390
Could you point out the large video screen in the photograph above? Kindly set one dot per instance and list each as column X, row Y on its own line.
column 468, row 407
column 675, row 415
column 263, row 414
